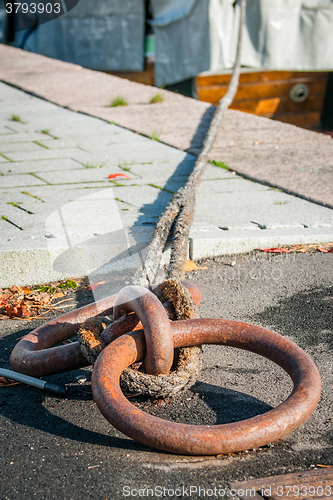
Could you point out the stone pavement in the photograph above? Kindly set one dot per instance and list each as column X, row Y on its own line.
column 278, row 154
column 62, row 216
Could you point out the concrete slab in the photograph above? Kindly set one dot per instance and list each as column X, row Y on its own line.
column 281, row 155
column 57, row 202
column 40, row 166
column 298, row 161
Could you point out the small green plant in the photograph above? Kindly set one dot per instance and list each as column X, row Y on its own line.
column 125, row 165
column 278, row 202
column 155, row 136
column 52, row 288
column 157, row 98
column 68, row 284
column 91, row 165
column 16, row 118
column 219, row 164
column 118, row 101
column 46, row 131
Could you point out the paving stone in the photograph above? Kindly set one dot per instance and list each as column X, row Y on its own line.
column 72, row 229
column 24, row 147
column 16, row 138
column 182, row 122
column 10, row 93
column 19, row 181
column 40, row 166
column 245, row 204
column 5, row 130
column 44, row 154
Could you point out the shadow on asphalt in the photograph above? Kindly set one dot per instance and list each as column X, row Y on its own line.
column 306, row 315
column 229, row 405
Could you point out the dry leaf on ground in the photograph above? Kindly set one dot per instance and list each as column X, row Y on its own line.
column 28, row 302
column 6, row 383
column 274, row 250
column 191, row 266
column 96, row 285
column 325, row 248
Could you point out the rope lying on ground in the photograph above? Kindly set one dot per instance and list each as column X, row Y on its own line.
column 89, row 337
column 180, row 212
column 133, row 380
column 187, row 361
column 181, row 206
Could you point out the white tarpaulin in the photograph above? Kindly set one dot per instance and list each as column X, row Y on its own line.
column 191, row 36
column 289, row 34
column 278, row 34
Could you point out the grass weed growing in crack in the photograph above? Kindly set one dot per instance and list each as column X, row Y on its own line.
column 156, row 136
column 16, row 118
column 118, row 101
column 91, row 165
column 157, row 98
column 220, row 164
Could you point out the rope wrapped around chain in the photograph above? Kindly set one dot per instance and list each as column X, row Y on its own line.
column 134, row 380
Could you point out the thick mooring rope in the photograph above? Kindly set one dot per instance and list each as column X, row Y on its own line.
column 180, row 209
column 180, row 212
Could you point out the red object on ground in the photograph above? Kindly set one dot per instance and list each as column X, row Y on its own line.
column 96, row 285
column 275, row 250
column 119, row 174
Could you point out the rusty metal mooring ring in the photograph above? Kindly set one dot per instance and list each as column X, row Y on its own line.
column 208, row 440
column 39, row 354
column 156, row 326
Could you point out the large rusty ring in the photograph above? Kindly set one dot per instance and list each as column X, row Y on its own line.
column 39, row 354
column 155, row 323
column 208, row 440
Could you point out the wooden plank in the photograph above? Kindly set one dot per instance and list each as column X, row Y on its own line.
column 258, row 91
column 260, row 76
column 266, row 93
column 282, row 104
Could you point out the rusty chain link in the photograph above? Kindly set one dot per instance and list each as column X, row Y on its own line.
column 36, row 355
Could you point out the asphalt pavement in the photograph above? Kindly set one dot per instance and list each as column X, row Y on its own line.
column 55, row 447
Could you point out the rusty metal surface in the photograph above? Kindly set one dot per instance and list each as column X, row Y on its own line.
column 155, row 323
column 38, row 353
column 314, row 484
column 35, row 353
column 208, row 440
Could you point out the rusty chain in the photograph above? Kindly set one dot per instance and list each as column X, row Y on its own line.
column 133, row 326
column 37, row 355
